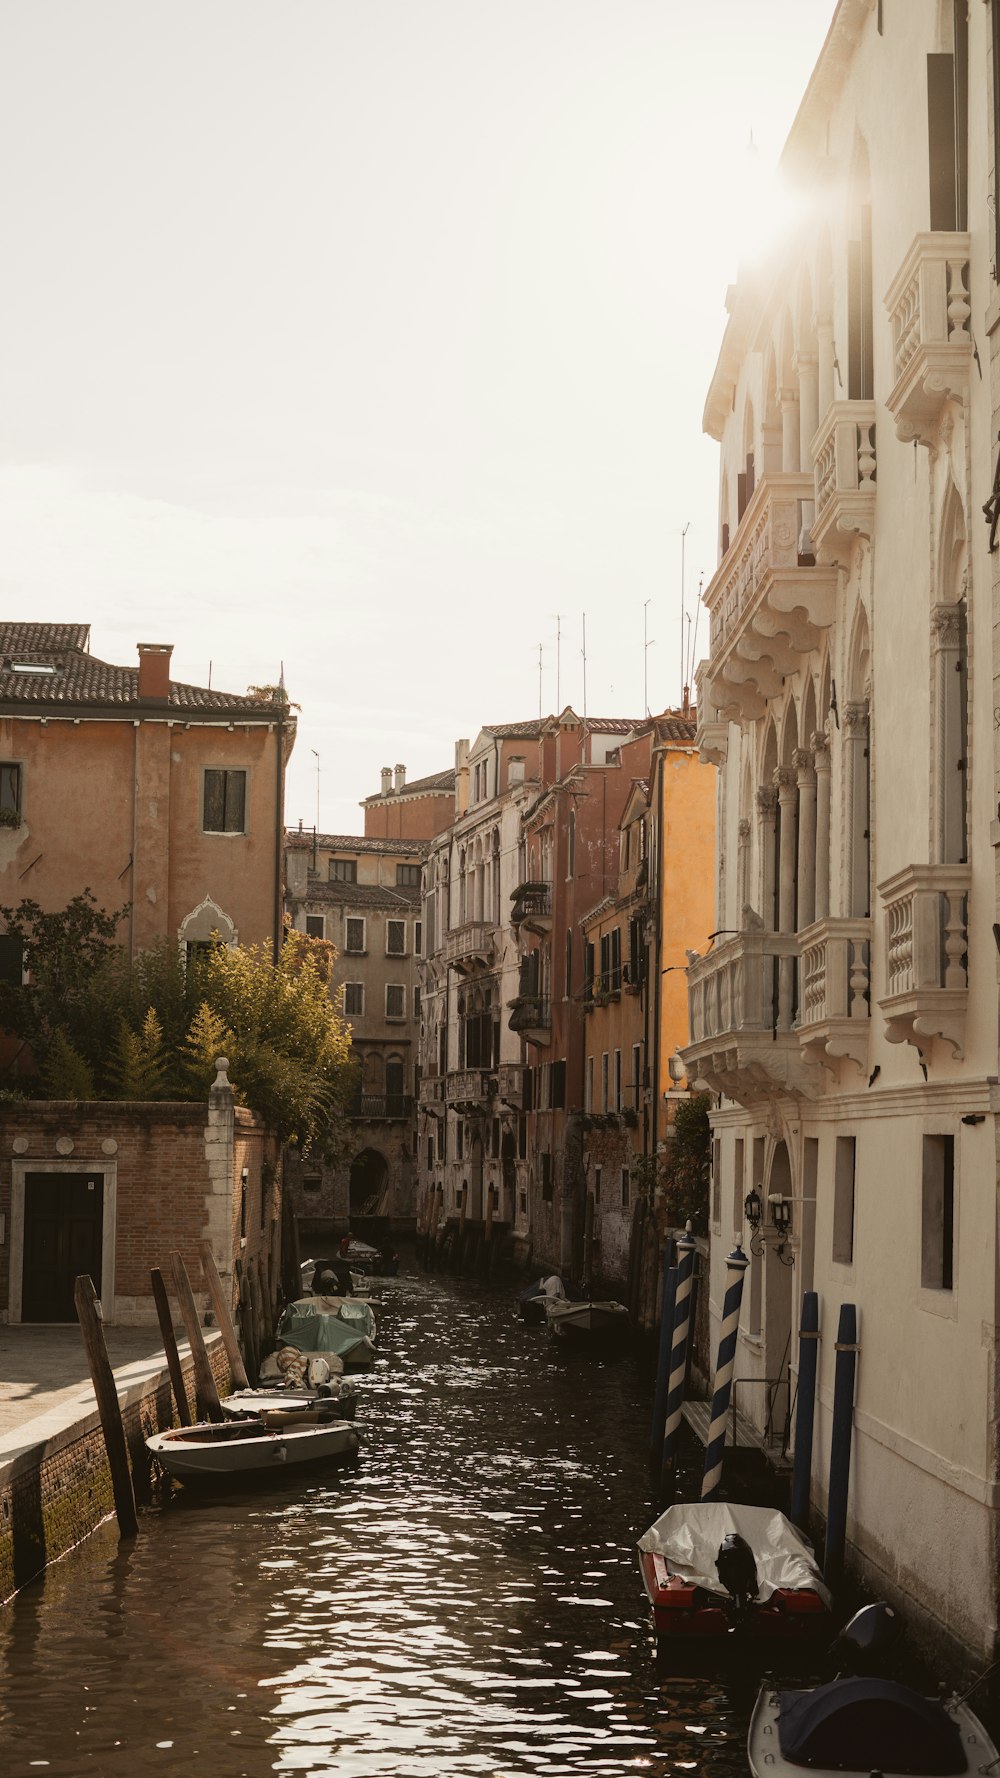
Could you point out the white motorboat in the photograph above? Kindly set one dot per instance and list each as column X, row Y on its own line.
column 586, row 1320
column 214, row 1451
column 334, row 1402
column 856, row 1726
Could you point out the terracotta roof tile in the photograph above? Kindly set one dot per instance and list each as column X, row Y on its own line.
column 354, row 842
column 67, row 673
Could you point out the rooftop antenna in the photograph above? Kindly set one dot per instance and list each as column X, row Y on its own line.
column 583, row 652
column 697, row 614
column 209, row 675
column 558, row 618
column 647, row 643
column 316, row 758
column 683, row 536
column 539, row 682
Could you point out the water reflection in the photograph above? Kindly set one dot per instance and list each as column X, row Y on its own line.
column 465, row 1601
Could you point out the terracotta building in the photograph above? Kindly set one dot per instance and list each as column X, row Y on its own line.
column 164, row 796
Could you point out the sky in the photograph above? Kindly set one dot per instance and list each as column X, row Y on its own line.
column 368, row 341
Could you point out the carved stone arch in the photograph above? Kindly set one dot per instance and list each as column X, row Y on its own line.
column 809, row 722
column 789, row 733
column 206, row 924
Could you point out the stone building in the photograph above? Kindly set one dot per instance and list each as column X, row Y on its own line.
column 846, row 1014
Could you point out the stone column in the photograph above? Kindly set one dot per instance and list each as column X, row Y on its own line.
column 949, row 742
column 856, row 787
column 787, row 788
column 789, row 401
column 825, row 357
column 767, row 806
column 742, row 868
column 806, row 368
column 806, row 778
column 821, row 760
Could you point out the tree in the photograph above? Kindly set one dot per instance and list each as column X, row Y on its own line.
column 682, row 1169
column 66, row 955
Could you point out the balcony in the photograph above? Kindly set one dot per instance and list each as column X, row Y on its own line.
column 835, row 1008
column 510, row 1084
column 470, row 947
column 929, row 310
column 433, row 1094
column 741, row 1007
column 532, row 907
column 375, row 1107
column 471, row 1089
column 844, row 457
column 768, row 608
column 531, row 1018
column 926, row 944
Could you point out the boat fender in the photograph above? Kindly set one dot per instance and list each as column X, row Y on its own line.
column 281, row 1454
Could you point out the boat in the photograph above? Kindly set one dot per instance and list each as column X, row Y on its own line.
column 534, row 1298
column 586, row 1320
column 339, row 1324
column 249, row 1403
column 858, row 1724
column 710, row 1567
column 215, row 1451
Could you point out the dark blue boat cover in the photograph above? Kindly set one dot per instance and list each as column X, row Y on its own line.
column 862, row 1725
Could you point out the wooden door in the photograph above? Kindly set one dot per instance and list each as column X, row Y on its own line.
column 63, row 1233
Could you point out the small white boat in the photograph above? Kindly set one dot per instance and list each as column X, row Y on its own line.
column 332, row 1404
column 213, row 1451
column 857, row 1726
column 854, row 1727
column 585, row 1319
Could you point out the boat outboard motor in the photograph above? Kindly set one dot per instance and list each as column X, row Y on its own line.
column 737, row 1570
column 866, row 1638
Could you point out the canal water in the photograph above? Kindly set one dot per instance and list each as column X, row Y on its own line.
column 465, row 1600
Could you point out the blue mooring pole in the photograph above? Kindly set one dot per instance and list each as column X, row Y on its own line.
column 736, row 1266
column 805, row 1409
column 840, row 1443
column 678, row 1348
column 663, row 1358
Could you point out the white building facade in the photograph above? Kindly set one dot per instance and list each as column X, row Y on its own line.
column 846, row 1014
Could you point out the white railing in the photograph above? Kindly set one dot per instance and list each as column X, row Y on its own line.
column 834, row 971
column 929, row 301
column 735, row 988
column 926, row 929
column 844, row 453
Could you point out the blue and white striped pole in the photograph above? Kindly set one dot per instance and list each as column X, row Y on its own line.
column 678, row 1347
column 805, row 1411
column 736, row 1266
column 663, row 1360
column 847, row 1350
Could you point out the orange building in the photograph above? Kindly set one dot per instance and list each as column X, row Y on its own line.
column 162, row 796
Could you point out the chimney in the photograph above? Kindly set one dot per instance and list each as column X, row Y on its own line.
column 154, row 669
column 400, row 778
column 386, row 780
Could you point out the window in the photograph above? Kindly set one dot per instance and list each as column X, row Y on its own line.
column 355, row 940
column 395, row 938
column 418, row 937
column 225, row 800
column 626, row 1188
column 354, row 999
column 589, row 1095
column 636, row 1074
column 395, row 1001
column 343, row 870
column 546, row 1160
column 597, row 1184
column 618, row 1080
column 315, row 926
column 604, row 1081
column 10, row 794
column 937, row 1239
column 459, row 1139
column 311, row 1182
column 407, row 876
column 843, row 1201
column 558, row 1086
column 416, row 1003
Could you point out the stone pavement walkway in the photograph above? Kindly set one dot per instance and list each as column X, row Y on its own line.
column 42, row 1368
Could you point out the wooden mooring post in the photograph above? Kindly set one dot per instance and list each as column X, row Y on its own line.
column 88, row 1311
column 223, row 1315
column 250, row 1345
column 165, row 1319
column 207, row 1394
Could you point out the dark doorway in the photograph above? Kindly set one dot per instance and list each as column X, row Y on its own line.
column 63, row 1232
column 369, row 1174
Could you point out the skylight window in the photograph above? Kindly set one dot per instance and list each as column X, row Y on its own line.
column 32, row 667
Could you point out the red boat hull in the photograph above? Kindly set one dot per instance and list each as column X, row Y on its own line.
column 681, row 1610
